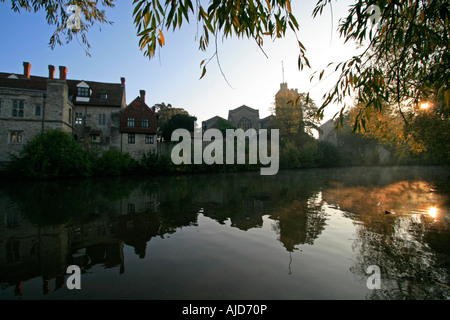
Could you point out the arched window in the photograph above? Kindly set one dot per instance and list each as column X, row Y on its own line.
column 244, row 123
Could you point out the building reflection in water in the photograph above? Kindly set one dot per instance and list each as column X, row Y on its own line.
column 48, row 226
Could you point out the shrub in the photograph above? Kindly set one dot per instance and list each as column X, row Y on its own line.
column 51, row 154
column 289, row 156
column 329, row 155
column 115, row 162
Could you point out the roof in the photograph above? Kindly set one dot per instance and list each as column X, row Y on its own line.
column 115, row 91
column 212, row 120
column 268, row 118
column 243, row 107
column 32, row 83
column 138, row 110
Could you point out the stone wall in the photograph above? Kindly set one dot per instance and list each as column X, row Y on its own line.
column 139, row 147
column 42, row 110
column 109, row 137
column 252, row 115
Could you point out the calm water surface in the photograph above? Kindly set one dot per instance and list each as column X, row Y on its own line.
column 308, row 234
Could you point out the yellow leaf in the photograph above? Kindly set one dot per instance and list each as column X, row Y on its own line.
column 161, row 37
column 288, row 3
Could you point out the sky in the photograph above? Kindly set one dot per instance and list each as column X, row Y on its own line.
column 173, row 75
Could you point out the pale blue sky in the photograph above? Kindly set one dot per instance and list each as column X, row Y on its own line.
column 173, row 75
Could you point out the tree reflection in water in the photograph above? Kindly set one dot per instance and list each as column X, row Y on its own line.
column 50, row 225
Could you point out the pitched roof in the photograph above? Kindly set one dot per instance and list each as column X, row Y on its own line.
column 138, row 110
column 243, row 107
column 32, row 83
column 115, row 91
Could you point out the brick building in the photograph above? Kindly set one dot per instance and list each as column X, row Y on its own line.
column 138, row 128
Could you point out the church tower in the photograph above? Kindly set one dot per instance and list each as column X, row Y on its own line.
column 287, row 104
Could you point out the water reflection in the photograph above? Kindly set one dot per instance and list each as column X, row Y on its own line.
column 48, row 226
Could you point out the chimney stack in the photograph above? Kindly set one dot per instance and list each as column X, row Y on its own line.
column 62, row 73
column 51, row 72
column 142, row 92
column 122, row 81
column 26, row 69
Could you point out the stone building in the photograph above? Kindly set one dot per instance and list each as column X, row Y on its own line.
column 248, row 118
column 138, row 128
column 31, row 104
column 213, row 123
column 97, row 111
column 242, row 117
column 289, row 109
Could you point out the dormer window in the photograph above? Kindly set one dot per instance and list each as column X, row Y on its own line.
column 82, row 92
column 103, row 96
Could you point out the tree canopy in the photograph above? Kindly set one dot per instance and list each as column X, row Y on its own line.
column 177, row 121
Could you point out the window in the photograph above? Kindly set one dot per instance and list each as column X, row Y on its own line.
column 131, row 208
column 16, row 137
column 78, row 118
column 0, row 107
column 130, row 122
column 131, row 138
column 103, row 96
column 18, row 109
column 70, row 116
column 82, row 92
column 149, row 139
column 37, row 110
column 244, row 123
column 12, row 219
column 102, row 119
column 144, row 123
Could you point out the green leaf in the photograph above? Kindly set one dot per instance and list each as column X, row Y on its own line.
column 203, row 72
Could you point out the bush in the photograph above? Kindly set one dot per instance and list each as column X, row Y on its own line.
column 289, row 156
column 115, row 162
column 153, row 163
column 309, row 154
column 329, row 155
column 51, row 154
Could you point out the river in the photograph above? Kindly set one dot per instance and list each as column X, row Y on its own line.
column 340, row 233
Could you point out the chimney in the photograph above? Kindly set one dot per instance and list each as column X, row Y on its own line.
column 142, row 92
column 62, row 73
column 26, row 69
column 122, row 81
column 51, row 72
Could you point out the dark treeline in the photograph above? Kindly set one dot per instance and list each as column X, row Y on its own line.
column 55, row 154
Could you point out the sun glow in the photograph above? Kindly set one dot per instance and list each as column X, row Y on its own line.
column 432, row 212
column 424, row 105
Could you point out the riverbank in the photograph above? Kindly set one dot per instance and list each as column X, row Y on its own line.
column 56, row 155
